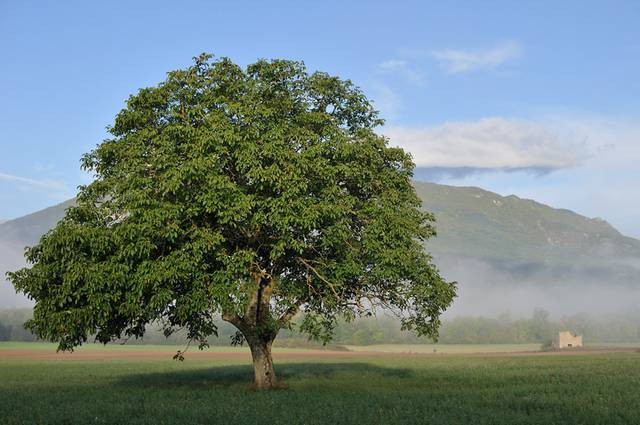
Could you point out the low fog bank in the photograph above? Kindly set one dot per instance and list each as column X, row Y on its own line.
column 497, row 303
column 491, row 289
column 11, row 259
column 485, row 289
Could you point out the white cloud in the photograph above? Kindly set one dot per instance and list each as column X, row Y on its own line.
column 44, row 183
column 403, row 69
column 460, row 61
column 603, row 184
column 393, row 64
column 490, row 143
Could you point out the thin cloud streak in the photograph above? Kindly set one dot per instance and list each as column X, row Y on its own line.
column 403, row 69
column 45, row 184
column 460, row 61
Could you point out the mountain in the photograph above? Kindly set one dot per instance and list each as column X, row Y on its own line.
column 473, row 222
column 507, row 253
column 27, row 230
column 513, row 255
column 15, row 235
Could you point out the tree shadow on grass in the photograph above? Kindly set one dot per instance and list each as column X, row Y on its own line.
column 243, row 374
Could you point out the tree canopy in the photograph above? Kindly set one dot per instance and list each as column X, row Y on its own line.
column 250, row 193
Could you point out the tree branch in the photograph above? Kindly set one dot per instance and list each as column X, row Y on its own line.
column 322, row 278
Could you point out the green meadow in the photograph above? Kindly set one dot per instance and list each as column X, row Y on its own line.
column 321, row 388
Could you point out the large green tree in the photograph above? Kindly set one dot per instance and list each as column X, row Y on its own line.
column 253, row 194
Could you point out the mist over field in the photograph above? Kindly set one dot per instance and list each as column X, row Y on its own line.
column 508, row 255
column 11, row 259
column 17, row 234
column 489, row 290
column 483, row 289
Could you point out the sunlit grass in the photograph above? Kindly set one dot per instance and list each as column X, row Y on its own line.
column 524, row 389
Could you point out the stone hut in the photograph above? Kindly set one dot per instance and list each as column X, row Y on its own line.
column 566, row 339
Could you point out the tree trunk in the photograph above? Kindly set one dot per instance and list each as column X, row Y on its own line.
column 265, row 377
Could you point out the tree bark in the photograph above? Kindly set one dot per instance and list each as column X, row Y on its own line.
column 265, row 377
column 259, row 331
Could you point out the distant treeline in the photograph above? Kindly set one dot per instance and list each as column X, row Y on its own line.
column 386, row 330
column 11, row 328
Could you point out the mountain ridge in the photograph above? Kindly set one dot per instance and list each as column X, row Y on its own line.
column 29, row 228
column 484, row 240
column 474, row 222
column 467, row 218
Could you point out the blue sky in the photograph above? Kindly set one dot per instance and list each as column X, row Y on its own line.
column 537, row 99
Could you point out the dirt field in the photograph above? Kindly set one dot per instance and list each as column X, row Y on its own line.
column 122, row 353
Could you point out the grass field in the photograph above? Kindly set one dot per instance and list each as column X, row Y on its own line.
column 142, row 385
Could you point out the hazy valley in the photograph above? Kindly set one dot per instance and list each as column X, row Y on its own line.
column 509, row 255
